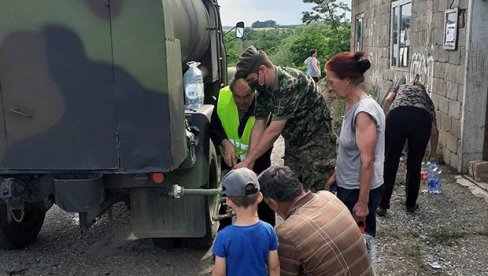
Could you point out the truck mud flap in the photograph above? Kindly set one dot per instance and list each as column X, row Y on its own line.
column 75, row 194
column 155, row 215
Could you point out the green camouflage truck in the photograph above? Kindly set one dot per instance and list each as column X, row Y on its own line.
column 92, row 113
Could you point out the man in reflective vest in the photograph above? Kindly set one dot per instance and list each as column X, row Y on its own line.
column 231, row 125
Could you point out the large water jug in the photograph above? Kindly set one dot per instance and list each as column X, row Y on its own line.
column 194, row 90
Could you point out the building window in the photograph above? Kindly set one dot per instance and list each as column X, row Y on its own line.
column 358, row 33
column 401, row 12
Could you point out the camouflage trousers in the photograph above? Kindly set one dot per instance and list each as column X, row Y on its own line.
column 313, row 162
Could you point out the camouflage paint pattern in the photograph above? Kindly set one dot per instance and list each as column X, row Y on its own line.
column 97, row 84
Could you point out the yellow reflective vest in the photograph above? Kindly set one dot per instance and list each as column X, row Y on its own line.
column 229, row 116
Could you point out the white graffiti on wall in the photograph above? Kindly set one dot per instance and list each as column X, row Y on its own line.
column 424, row 66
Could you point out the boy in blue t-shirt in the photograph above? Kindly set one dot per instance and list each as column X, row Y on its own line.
column 249, row 246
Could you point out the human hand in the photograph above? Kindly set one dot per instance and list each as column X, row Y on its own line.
column 360, row 211
column 242, row 164
column 230, row 157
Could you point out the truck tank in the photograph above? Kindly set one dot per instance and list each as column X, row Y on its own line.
column 99, row 85
column 92, row 107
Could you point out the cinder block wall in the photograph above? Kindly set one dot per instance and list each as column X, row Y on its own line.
column 442, row 71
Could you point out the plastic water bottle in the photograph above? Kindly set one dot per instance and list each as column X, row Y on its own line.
column 370, row 245
column 194, row 90
column 433, row 179
column 424, row 174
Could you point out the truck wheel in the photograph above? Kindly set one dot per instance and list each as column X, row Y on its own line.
column 15, row 235
column 206, row 241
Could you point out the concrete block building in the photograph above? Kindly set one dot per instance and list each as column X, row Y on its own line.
column 446, row 43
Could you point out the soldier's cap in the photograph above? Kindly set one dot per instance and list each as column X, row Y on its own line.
column 240, row 182
column 248, row 62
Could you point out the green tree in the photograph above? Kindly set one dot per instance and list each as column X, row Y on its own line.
column 264, row 24
column 331, row 12
column 231, row 50
column 320, row 36
column 268, row 40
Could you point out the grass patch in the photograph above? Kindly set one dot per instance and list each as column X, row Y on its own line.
column 482, row 232
column 413, row 234
column 388, row 231
column 446, row 237
column 443, row 237
column 415, row 254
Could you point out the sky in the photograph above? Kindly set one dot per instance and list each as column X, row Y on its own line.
column 284, row 12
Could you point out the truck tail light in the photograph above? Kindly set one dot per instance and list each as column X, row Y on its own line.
column 157, row 177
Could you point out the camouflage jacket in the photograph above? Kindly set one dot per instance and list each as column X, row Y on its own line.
column 295, row 98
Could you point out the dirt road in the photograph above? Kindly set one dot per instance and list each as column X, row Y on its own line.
column 450, row 229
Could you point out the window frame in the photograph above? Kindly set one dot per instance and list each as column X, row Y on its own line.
column 397, row 4
column 358, row 48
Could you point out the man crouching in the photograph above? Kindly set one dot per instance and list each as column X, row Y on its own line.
column 319, row 235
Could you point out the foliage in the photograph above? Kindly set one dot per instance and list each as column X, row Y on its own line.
column 322, row 37
column 264, row 24
column 329, row 11
column 333, row 14
column 231, row 49
column 325, row 30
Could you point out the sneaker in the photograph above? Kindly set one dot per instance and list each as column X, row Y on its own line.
column 381, row 212
column 412, row 209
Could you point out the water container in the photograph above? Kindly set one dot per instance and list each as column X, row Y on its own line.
column 434, row 183
column 194, row 90
column 424, row 174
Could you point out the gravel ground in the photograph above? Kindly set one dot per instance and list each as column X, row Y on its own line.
column 450, row 228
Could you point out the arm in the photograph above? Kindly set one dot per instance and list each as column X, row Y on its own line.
column 434, row 140
column 218, row 136
column 366, row 141
column 273, row 263
column 261, row 143
column 388, row 100
column 329, row 181
column 218, row 268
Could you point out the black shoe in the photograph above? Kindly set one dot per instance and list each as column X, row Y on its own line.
column 412, row 209
column 381, row 212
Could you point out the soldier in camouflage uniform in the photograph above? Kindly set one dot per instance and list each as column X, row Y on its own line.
column 299, row 113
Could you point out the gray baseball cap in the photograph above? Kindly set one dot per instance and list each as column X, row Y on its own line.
column 240, row 182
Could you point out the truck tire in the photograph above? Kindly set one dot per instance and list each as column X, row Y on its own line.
column 206, row 241
column 15, row 235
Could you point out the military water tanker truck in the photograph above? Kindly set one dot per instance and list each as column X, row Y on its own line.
column 92, row 113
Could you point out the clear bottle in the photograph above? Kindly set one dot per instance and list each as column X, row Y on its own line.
column 433, row 178
column 194, row 89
